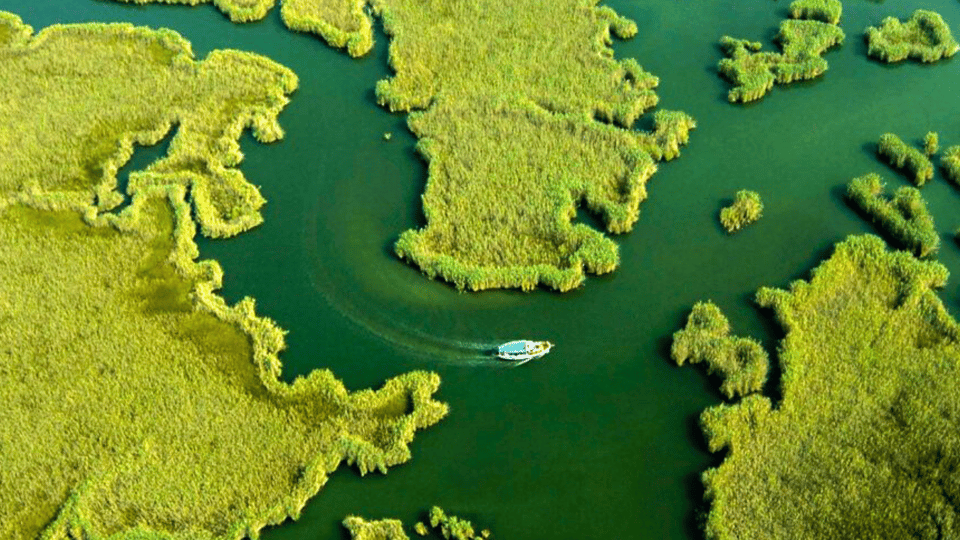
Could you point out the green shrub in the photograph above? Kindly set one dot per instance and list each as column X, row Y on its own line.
column 925, row 37
column 900, row 155
column 904, row 217
column 746, row 209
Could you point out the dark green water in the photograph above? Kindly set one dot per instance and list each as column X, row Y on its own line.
column 600, row 439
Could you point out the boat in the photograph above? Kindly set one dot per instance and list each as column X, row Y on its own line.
column 523, row 350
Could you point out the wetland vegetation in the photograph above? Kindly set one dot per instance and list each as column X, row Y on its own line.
column 950, row 164
column 931, row 143
column 901, row 155
column 175, row 423
column 746, row 209
column 827, row 11
column 904, row 216
column 869, row 410
column 447, row 526
column 924, row 37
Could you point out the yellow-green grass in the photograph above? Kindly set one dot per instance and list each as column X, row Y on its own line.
column 745, row 209
column 902, row 156
column 904, row 217
column 381, row 529
column 76, row 98
column 924, row 37
column 931, row 143
column 521, row 112
column 740, row 362
column 137, row 403
column 753, row 72
column 827, row 11
column 950, row 164
column 447, row 526
column 865, row 441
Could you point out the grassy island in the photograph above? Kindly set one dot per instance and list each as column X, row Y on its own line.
column 931, row 143
column 924, row 37
column 870, row 410
column 950, row 164
column 443, row 525
column 753, row 72
column 740, row 362
column 827, row 11
column 746, row 209
column 902, row 156
column 136, row 402
column 904, row 217
column 518, row 131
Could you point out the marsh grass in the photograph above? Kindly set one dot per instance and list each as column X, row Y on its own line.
column 827, row 11
column 753, row 72
column 902, row 156
column 746, row 209
column 446, row 526
column 523, row 114
column 865, row 442
column 931, row 143
column 381, row 529
column 107, row 87
column 924, row 37
column 950, row 164
column 904, row 216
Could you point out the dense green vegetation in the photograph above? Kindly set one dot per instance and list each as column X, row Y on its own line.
column 827, row 11
column 950, row 164
column 803, row 42
column 136, row 402
column 904, row 217
column 865, row 441
column 931, row 143
column 447, row 526
column 117, row 85
column 900, row 155
column 925, row 37
column 237, row 10
column 746, row 209
column 740, row 362
column 518, row 131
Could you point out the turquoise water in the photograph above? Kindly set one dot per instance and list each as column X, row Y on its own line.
column 600, row 439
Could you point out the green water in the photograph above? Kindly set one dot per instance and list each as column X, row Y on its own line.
column 600, row 439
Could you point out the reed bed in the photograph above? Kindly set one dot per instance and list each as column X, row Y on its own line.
column 827, row 11
column 924, row 37
column 950, row 164
column 741, row 363
column 175, row 423
column 448, row 526
column 931, row 143
column 77, row 98
column 523, row 115
column 865, row 439
column 904, row 216
column 746, row 209
column 381, row 529
column 902, row 156
column 237, row 10
column 753, row 72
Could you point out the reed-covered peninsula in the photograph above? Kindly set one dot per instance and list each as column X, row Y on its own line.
column 865, row 439
column 136, row 402
column 745, row 209
column 523, row 115
column 924, row 37
column 904, row 217
column 108, row 87
column 901, row 155
column 753, row 72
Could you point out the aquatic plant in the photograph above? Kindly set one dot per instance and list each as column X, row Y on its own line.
column 519, row 132
column 924, row 37
column 900, row 155
column 931, row 143
column 746, row 209
column 864, row 441
column 383, row 529
column 753, row 72
column 420, row 528
column 827, row 11
column 950, row 164
column 237, row 10
column 117, row 85
column 904, row 217
column 740, row 362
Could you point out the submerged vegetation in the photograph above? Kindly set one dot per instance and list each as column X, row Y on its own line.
column 900, row 155
column 904, row 217
column 117, row 85
column 518, row 131
column 137, row 402
column 753, row 72
column 865, row 440
column 924, row 37
column 740, row 362
column 746, row 209
column 447, row 526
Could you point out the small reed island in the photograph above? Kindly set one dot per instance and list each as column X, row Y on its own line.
column 924, row 37
column 746, row 209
